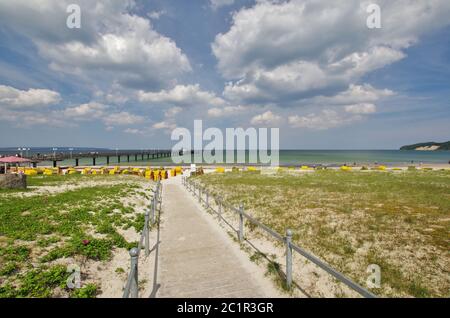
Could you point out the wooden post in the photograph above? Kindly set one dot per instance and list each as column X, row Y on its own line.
column 147, row 238
column 288, row 258
column 241, row 223
column 134, row 253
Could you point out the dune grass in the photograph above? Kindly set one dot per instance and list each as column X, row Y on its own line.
column 400, row 221
column 36, row 231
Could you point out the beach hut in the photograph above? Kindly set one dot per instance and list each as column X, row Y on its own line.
column 13, row 160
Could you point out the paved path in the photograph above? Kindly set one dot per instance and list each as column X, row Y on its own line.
column 196, row 259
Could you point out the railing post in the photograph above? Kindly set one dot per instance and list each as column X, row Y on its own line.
column 152, row 209
column 241, row 223
column 207, row 199
column 147, row 237
column 220, row 209
column 288, row 258
column 134, row 253
column 160, row 198
column 200, row 194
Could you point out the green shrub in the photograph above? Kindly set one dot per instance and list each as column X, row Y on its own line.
column 48, row 241
column 88, row 291
column 97, row 249
column 8, row 291
column 15, row 253
column 8, row 269
column 40, row 283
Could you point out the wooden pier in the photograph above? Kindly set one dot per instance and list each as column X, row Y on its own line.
column 127, row 156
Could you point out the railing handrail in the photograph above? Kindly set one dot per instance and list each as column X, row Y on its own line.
column 131, row 286
column 326, row 267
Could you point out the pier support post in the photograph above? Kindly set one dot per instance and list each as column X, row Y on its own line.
column 76, row 162
column 93, row 161
column 118, row 159
column 54, row 163
column 107, row 160
column 135, row 157
column 288, row 258
column 241, row 223
column 128, row 158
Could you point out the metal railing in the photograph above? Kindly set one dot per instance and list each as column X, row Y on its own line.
column 197, row 190
column 132, row 285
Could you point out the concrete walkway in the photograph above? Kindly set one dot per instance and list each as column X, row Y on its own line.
column 196, row 257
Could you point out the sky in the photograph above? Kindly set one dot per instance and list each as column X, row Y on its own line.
column 136, row 70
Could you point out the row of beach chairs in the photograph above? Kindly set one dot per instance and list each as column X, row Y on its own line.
column 148, row 173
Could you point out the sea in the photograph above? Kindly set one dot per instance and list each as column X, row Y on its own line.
column 286, row 157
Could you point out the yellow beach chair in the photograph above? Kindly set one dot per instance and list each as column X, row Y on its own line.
column 220, row 170
column 30, row 172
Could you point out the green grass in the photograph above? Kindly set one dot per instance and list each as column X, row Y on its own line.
column 341, row 216
column 38, row 229
column 41, row 180
column 88, row 291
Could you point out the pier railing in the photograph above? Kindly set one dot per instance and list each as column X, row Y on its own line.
column 132, row 285
column 204, row 196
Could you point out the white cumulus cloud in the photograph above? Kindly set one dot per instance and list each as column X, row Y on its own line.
column 325, row 119
column 16, row 98
column 182, row 95
column 287, row 51
column 361, row 109
column 225, row 111
column 112, row 44
column 123, row 118
column 267, row 118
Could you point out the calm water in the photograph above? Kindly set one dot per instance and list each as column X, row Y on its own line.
column 287, row 157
